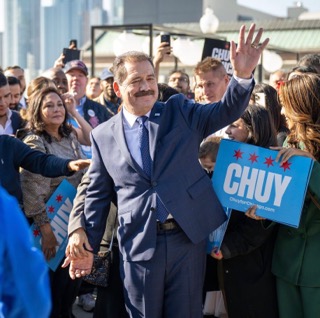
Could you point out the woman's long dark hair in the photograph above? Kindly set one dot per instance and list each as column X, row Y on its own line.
column 36, row 124
column 272, row 104
column 260, row 126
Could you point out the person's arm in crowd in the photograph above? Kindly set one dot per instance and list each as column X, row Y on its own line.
column 78, row 243
column 77, row 254
column 245, row 56
column 161, row 52
column 45, row 164
column 83, row 132
column 59, row 61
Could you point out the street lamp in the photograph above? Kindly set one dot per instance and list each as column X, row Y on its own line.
column 209, row 23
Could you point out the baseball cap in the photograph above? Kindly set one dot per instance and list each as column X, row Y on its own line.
column 76, row 65
column 105, row 74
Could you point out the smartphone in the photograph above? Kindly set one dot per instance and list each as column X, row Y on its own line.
column 70, row 55
column 74, row 43
column 165, row 37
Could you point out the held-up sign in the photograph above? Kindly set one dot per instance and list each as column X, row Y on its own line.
column 58, row 208
column 245, row 175
column 218, row 49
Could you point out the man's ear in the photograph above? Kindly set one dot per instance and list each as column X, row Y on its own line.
column 116, row 88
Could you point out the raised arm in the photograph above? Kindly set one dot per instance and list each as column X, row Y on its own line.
column 246, row 55
column 83, row 132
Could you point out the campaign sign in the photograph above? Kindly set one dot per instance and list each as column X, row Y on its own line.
column 218, row 49
column 245, row 175
column 58, row 208
column 215, row 238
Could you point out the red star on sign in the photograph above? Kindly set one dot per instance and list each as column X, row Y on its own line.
column 36, row 232
column 269, row 162
column 286, row 165
column 51, row 209
column 238, row 154
column 59, row 198
column 253, row 157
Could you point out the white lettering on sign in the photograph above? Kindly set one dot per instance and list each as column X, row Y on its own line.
column 253, row 183
column 60, row 221
column 221, row 54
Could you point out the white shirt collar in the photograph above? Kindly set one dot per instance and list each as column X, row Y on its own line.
column 9, row 113
column 130, row 118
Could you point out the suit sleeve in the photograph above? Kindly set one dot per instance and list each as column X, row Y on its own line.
column 100, row 193
column 76, row 219
column 207, row 119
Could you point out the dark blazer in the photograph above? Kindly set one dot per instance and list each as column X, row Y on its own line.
column 247, row 249
column 176, row 129
column 94, row 113
column 15, row 154
column 296, row 257
column 16, row 121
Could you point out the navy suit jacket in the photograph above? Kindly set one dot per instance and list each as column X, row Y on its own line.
column 176, row 129
column 16, row 121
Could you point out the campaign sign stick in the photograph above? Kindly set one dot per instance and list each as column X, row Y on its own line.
column 245, row 175
column 58, row 208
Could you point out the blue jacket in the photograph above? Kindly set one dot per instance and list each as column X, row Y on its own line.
column 24, row 280
column 15, row 154
column 176, row 129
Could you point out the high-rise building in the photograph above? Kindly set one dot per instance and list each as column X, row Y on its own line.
column 21, row 38
column 36, row 31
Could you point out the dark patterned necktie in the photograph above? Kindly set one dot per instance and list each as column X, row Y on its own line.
column 161, row 211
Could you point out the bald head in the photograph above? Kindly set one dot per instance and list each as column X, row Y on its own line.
column 57, row 75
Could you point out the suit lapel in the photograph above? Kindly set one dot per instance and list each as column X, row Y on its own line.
column 154, row 119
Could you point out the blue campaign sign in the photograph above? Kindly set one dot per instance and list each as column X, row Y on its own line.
column 215, row 238
column 59, row 207
column 245, row 175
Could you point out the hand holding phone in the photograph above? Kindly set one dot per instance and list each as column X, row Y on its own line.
column 165, row 37
column 70, row 55
column 73, row 44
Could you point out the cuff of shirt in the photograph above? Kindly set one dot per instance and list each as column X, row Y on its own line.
column 244, row 82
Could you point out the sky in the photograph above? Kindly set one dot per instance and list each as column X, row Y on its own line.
column 275, row 7
column 279, row 7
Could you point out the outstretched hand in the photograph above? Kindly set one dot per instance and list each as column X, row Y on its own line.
column 78, row 244
column 285, row 154
column 80, row 164
column 246, row 55
column 79, row 266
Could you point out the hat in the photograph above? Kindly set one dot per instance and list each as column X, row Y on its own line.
column 105, row 74
column 76, row 65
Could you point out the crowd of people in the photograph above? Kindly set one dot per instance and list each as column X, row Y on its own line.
column 141, row 155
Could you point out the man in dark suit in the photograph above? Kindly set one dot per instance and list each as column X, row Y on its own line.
column 166, row 204
column 77, row 75
column 10, row 120
column 94, row 113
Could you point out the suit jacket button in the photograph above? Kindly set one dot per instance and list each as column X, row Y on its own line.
column 154, row 183
column 152, row 209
